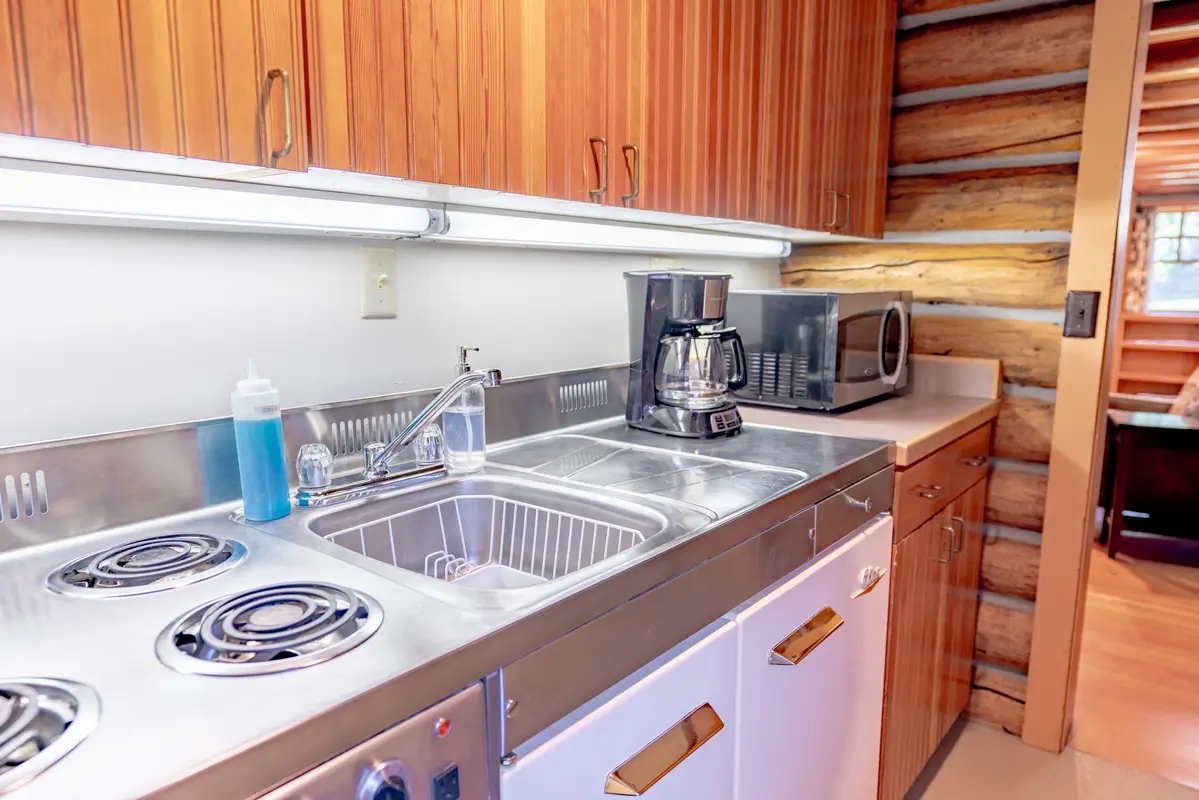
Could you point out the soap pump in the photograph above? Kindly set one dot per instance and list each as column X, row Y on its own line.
column 261, row 455
column 463, row 425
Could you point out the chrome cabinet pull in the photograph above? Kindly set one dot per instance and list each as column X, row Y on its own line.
column 627, row 199
column 929, row 491
column 976, row 461
column 836, row 205
column 806, row 638
column 286, row 80
column 862, row 504
column 870, row 578
column 959, row 535
column 654, row 762
column 597, row 195
column 845, row 224
column 949, row 557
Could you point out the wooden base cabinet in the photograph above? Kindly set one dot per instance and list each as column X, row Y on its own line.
column 810, row 661
column 673, row 730
column 934, row 607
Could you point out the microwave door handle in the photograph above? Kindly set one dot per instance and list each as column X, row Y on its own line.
column 897, row 307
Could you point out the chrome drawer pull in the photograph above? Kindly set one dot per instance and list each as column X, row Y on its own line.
column 800, row 644
column 870, row 578
column 957, row 533
column 654, row 762
column 949, row 557
column 928, row 491
column 976, row 461
column 862, row 504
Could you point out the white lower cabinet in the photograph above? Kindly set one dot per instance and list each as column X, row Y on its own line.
column 669, row 732
column 811, row 659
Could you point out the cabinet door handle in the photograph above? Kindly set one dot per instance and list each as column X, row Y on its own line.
column 806, row 638
column 597, row 195
column 836, row 204
column 976, row 461
column 928, row 491
column 862, row 504
column 627, row 199
column 870, row 578
column 844, row 224
column 282, row 75
column 949, row 557
column 959, row 534
column 654, row 762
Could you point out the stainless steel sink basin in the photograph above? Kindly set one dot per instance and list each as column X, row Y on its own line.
column 492, row 532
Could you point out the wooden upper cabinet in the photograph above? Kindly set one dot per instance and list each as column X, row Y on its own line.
column 185, row 78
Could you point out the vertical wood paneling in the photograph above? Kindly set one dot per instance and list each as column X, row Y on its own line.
column 364, row 85
column 422, row 105
column 570, row 170
column 445, row 45
column 279, row 39
column 495, row 145
column 242, row 81
column 12, row 71
column 525, row 96
column 106, row 90
column 48, row 36
column 770, row 156
column 391, row 37
column 472, row 94
column 159, row 123
column 328, row 101
column 196, row 40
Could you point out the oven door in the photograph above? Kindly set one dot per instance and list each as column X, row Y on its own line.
column 871, row 353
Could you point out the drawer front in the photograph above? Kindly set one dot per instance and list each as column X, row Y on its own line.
column 672, row 730
column 970, row 465
column 811, row 660
column 923, row 490
column 845, row 512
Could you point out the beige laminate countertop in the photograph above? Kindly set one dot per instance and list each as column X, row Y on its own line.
column 919, row 424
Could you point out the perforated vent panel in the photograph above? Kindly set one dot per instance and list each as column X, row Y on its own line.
column 24, row 495
column 350, row 437
column 583, row 395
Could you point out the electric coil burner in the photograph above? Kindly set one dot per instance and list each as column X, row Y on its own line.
column 148, row 565
column 41, row 720
column 271, row 629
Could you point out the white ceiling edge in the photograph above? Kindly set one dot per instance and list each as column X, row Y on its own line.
column 335, row 182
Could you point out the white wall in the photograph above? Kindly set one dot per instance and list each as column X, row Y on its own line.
column 105, row 329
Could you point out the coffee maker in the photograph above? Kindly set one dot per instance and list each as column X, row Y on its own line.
column 679, row 379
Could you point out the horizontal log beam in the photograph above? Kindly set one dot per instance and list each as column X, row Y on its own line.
column 1023, row 429
column 1016, row 498
column 1180, row 33
column 1174, row 14
column 1032, row 198
column 1042, row 121
column 1029, row 351
column 998, row 697
column 1016, row 44
column 1012, row 275
column 1004, row 636
column 1010, row 567
column 1173, row 93
column 1166, row 141
column 907, row 7
column 1169, row 119
column 1176, row 61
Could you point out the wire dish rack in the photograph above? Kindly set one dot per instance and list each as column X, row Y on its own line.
column 490, row 542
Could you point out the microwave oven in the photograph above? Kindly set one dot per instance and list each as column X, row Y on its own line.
column 821, row 349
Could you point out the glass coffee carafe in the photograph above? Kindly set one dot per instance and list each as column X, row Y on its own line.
column 693, row 372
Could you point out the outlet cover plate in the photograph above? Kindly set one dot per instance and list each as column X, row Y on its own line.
column 379, row 295
column 1081, row 308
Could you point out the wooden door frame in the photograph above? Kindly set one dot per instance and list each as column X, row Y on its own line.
column 1097, row 251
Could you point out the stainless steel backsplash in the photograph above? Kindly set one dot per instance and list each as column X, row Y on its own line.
column 69, row 487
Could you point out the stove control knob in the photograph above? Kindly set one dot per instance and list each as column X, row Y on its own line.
column 386, row 782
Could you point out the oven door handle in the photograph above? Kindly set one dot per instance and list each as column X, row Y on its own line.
column 897, row 307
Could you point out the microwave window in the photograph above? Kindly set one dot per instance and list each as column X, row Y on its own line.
column 858, row 347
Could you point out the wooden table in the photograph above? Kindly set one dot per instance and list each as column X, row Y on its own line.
column 1151, row 470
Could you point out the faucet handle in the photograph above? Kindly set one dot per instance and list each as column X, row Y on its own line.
column 314, row 466
column 463, row 366
column 371, row 452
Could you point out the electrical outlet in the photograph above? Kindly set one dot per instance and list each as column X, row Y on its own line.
column 379, row 283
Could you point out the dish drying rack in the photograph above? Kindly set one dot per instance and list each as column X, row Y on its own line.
column 491, row 542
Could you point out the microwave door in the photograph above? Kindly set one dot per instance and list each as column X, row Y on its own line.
column 859, row 338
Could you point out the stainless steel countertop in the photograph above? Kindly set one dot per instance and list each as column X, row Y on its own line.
column 171, row 736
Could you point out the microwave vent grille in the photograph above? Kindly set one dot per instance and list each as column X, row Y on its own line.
column 776, row 374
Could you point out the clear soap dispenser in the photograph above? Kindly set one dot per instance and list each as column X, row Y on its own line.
column 463, row 429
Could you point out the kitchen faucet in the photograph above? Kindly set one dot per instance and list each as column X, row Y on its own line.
column 320, row 489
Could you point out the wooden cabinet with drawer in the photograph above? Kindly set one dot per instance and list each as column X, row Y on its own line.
column 937, row 555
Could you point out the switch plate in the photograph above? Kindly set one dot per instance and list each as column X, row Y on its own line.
column 379, row 283
column 1081, row 308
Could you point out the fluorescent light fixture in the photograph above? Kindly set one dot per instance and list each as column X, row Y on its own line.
column 29, row 195
column 470, row 227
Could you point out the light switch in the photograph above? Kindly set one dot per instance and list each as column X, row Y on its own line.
column 378, row 283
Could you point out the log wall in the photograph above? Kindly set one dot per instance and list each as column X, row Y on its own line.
column 980, row 205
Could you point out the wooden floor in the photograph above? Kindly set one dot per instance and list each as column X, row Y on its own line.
column 1138, row 681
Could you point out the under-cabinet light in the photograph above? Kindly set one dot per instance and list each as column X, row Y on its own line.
column 470, row 227
column 30, row 195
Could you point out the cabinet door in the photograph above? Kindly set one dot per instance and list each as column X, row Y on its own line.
column 578, row 155
column 188, row 79
column 672, row 729
column 919, row 576
column 965, row 521
column 810, row 677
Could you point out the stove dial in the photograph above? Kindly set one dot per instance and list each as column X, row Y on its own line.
column 385, row 782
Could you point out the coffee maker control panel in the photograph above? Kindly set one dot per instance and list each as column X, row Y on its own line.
column 725, row 421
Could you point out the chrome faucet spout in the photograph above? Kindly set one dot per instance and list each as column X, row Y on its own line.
column 375, row 458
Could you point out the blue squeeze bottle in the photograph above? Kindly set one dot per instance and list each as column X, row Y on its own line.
column 261, row 456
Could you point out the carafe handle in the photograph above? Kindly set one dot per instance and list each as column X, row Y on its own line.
column 738, row 379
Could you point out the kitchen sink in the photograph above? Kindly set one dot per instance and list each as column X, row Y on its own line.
column 503, row 532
